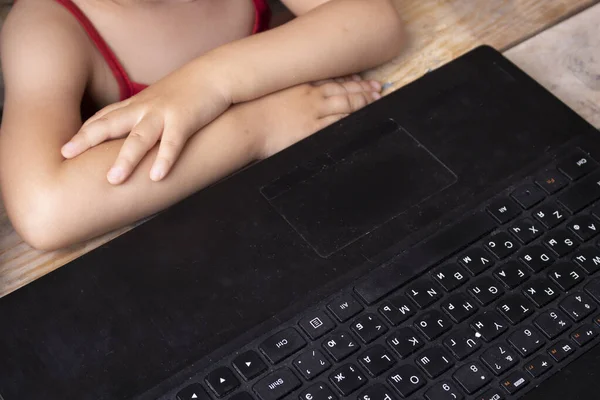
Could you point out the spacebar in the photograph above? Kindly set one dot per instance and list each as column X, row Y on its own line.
column 413, row 262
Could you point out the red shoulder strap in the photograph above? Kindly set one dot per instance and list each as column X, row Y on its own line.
column 125, row 84
column 263, row 16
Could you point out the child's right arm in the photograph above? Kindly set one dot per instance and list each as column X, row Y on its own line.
column 53, row 202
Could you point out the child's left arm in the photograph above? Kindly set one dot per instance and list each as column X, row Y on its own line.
column 329, row 38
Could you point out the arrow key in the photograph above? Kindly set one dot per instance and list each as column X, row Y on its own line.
column 526, row 340
column 538, row 366
column 222, row 381
column 193, row 392
column 249, row 365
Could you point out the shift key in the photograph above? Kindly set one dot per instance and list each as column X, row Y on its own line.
column 581, row 194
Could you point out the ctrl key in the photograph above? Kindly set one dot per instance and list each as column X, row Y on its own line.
column 276, row 385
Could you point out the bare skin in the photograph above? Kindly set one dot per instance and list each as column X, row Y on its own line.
column 50, row 66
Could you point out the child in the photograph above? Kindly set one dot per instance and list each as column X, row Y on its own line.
column 224, row 92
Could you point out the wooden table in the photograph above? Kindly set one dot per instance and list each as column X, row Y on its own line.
column 555, row 41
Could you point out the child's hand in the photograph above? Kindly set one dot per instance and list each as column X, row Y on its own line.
column 171, row 111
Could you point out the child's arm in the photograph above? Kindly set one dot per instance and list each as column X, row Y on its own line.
column 336, row 38
column 53, row 202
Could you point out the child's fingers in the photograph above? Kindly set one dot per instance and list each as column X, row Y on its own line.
column 337, row 89
column 168, row 151
column 108, row 109
column 142, row 138
column 113, row 125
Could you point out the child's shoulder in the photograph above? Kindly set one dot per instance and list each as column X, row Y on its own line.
column 41, row 21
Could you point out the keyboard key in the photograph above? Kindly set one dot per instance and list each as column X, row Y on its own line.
column 491, row 394
column 501, row 245
column 561, row 350
column 489, row 325
column 340, row 345
column 462, row 343
column 405, row 342
column 476, row 260
column 515, row 308
column 561, row 242
column 577, row 165
column 249, row 365
column 536, row 257
column 584, row 334
column 552, row 323
column 406, row 380
column 376, row 360
column 316, row 324
column 282, row 344
column 528, row 195
column 485, row 290
column 450, row 276
column 588, row 258
column 549, row 214
column 311, row 363
column 347, row 379
column 540, row 292
column 538, row 366
column 593, row 289
column 193, row 391
column 443, row 244
column 242, row 396
column 424, row 293
column 526, row 230
column 368, row 327
column 276, row 385
column 566, row 275
column 584, row 227
column 499, row 358
column 578, row 306
column 434, row 361
column 222, row 381
column 318, row 391
column 444, row 390
column 511, row 274
column 472, row 377
column 397, row 310
column 583, row 193
column 515, row 382
column 526, row 340
column 503, row 209
column 344, row 307
column 459, row 307
column 432, row 324
column 551, row 181
column 377, row 392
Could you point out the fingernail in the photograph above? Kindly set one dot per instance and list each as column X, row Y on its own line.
column 69, row 149
column 376, row 85
column 157, row 172
column 115, row 175
column 376, row 95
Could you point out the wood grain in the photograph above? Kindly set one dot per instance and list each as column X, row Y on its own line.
column 439, row 30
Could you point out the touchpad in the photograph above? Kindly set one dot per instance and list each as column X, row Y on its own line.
column 349, row 191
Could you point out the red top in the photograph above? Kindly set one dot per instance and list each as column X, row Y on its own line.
column 127, row 87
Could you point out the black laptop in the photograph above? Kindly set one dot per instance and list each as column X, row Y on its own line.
column 439, row 244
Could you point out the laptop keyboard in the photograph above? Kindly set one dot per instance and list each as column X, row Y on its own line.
column 512, row 298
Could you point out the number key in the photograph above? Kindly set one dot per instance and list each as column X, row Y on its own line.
column 444, row 390
column 526, row 340
column 472, row 377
